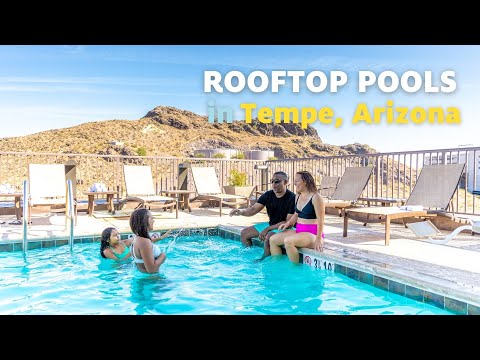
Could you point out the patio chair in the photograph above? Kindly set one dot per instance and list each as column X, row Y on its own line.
column 208, row 187
column 425, row 229
column 431, row 196
column 139, row 187
column 48, row 187
column 349, row 188
column 328, row 185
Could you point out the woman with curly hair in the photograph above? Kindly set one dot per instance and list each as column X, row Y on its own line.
column 309, row 217
column 146, row 255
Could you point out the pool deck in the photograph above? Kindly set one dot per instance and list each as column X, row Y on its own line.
column 452, row 269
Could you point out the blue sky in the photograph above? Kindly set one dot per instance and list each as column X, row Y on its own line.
column 48, row 87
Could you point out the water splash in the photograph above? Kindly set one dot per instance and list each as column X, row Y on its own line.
column 171, row 243
column 198, row 232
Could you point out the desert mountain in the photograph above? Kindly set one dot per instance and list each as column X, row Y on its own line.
column 168, row 131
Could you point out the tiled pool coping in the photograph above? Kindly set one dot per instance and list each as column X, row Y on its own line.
column 386, row 277
column 16, row 245
column 399, row 281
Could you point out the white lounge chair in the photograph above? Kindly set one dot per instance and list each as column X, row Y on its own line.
column 425, row 229
column 208, row 187
column 139, row 187
column 48, row 186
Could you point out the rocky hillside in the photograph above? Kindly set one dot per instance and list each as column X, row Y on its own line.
column 168, row 131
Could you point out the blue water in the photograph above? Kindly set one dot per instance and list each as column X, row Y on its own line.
column 202, row 275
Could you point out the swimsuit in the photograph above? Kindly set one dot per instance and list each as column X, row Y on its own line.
column 123, row 255
column 308, row 211
column 311, row 228
column 156, row 253
column 263, row 225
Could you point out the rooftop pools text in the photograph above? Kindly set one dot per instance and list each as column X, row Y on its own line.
column 332, row 81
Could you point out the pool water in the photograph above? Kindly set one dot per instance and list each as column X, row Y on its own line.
column 202, row 275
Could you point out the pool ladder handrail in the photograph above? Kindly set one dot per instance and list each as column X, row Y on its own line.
column 69, row 213
column 25, row 218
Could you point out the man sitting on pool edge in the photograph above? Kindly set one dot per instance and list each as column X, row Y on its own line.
column 280, row 203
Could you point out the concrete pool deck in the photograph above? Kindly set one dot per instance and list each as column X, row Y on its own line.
column 452, row 269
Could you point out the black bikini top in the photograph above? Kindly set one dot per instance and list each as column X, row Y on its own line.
column 308, row 211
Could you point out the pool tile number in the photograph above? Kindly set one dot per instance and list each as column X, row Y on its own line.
column 318, row 262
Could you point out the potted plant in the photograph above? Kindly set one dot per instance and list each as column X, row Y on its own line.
column 238, row 185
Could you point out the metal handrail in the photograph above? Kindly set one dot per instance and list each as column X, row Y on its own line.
column 25, row 219
column 70, row 213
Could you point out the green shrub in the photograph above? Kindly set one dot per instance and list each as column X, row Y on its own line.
column 142, row 151
column 272, row 158
column 237, row 178
column 239, row 156
column 199, row 155
column 219, row 156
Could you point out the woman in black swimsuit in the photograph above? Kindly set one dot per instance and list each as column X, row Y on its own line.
column 309, row 216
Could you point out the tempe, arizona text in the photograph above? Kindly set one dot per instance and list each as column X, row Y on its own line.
column 308, row 115
column 388, row 114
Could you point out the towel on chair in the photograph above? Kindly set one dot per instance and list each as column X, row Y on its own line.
column 98, row 187
column 6, row 189
column 412, row 207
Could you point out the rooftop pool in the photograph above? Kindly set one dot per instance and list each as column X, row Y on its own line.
column 202, row 275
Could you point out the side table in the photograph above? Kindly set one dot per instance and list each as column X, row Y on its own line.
column 91, row 200
column 182, row 195
column 18, row 198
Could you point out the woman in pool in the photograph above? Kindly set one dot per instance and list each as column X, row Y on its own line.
column 309, row 216
column 111, row 247
column 146, row 255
